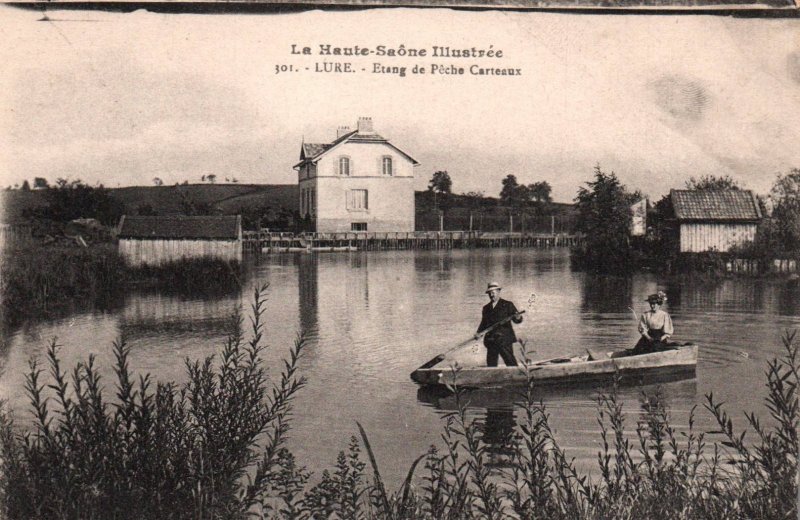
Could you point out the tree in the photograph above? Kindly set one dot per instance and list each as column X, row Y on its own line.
column 510, row 189
column 785, row 195
column 712, row 182
column 540, row 191
column 40, row 183
column 211, row 178
column 69, row 200
column 440, row 182
column 26, row 186
column 604, row 218
column 157, row 181
column 190, row 207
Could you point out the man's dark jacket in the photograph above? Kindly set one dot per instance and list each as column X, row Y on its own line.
column 502, row 334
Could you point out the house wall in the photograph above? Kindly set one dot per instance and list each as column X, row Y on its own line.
column 390, row 205
column 697, row 237
column 157, row 252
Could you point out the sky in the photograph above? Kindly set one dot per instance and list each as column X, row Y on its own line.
column 120, row 99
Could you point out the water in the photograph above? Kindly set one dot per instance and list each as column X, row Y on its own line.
column 372, row 318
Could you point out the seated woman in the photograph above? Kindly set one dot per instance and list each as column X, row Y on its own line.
column 655, row 326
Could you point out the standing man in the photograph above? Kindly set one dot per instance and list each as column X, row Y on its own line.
column 497, row 315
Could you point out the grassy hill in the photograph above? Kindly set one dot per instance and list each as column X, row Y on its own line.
column 225, row 198
column 170, row 200
column 276, row 206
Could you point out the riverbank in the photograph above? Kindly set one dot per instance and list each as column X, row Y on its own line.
column 48, row 280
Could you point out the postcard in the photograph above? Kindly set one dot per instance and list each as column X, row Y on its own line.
column 399, row 202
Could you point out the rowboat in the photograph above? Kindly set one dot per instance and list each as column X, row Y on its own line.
column 466, row 367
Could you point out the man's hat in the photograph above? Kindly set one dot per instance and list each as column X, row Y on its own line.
column 493, row 287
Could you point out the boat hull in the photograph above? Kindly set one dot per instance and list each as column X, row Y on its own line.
column 447, row 370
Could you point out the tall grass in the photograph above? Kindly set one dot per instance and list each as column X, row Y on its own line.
column 45, row 280
column 212, row 448
column 38, row 280
column 216, row 448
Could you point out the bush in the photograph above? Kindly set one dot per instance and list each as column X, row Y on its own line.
column 152, row 452
column 69, row 200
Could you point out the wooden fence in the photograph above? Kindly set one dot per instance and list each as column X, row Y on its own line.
column 748, row 266
column 263, row 241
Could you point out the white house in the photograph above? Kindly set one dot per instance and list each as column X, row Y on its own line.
column 358, row 182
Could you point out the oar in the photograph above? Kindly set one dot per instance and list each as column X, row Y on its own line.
column 478, row 336
column 441, row 356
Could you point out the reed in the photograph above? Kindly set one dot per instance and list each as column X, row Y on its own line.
column 43, row 281
column 213, row 448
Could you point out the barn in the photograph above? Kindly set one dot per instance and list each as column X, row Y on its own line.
column 715, row 220
column 160, row 240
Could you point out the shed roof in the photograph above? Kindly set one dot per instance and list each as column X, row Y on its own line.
column 715, row 205
column 220, row 227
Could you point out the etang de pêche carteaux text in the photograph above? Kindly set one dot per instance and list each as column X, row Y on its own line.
column 390, row 60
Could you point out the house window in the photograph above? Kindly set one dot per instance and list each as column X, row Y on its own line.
column 357, row 200
column 344, row 166
column 358, row 226
column 387, row 165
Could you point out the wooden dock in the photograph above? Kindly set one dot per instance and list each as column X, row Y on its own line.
column 274, row 242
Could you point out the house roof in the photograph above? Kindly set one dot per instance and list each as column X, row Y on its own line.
column 312, row 152
column 222, row 227
column 718, row 205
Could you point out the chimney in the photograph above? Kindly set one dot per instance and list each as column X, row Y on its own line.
column 342, row 130
column 365, row 125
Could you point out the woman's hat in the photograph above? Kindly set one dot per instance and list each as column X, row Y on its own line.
column 493, row 287
column 660, row 297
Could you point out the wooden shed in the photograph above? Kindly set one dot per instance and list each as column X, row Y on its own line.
column 159, row 240
column 715, row 220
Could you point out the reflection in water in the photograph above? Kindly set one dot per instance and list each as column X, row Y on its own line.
column 307, row 283
column 606, row 294
column 572, row 412
column 156, row 317
column 498, row 429
column 788, row 301
column 679, row 389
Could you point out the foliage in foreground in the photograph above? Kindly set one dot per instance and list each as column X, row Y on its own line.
column 151, row 451
column 215, row 448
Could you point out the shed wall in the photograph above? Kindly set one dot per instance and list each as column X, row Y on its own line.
column 699, row 237
column 157, row 252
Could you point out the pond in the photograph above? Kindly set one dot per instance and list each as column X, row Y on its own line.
column 371, row 318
